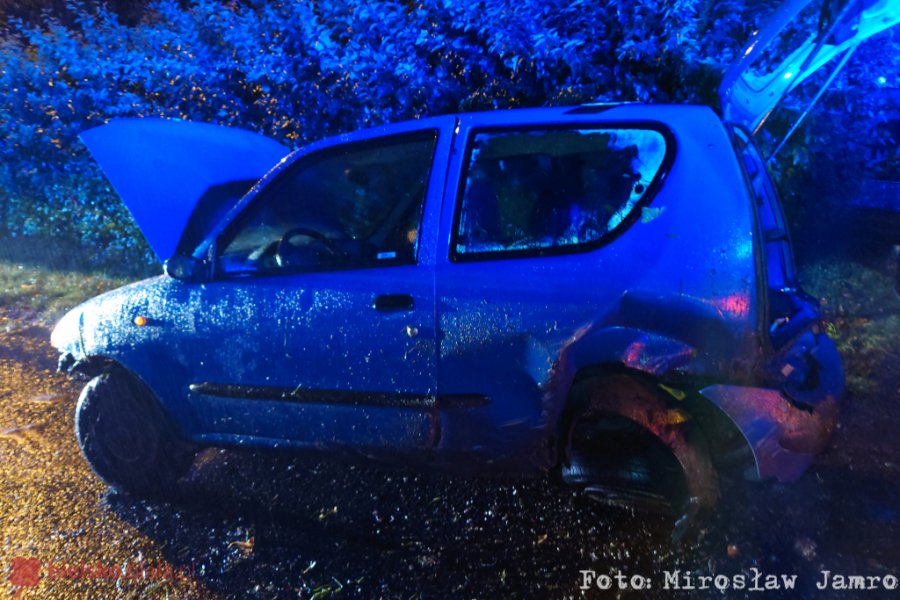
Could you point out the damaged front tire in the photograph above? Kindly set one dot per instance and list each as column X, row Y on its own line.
column 126, row 437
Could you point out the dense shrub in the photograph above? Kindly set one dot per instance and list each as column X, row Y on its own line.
column 297, row 70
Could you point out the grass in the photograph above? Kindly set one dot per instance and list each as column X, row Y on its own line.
column 41, row 279
column 42, row 295
column 861, row 309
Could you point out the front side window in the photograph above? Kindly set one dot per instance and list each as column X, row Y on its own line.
column 353, row 207
column 553, row 190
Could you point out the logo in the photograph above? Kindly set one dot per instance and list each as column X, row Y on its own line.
column 25, row 573
column 29, row 572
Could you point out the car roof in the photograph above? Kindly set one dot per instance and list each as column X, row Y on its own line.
column 675, row 115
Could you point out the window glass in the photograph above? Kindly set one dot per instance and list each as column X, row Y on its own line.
column 357, row 207
column 538, row 190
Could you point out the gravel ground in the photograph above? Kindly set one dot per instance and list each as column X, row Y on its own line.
column 252, row 524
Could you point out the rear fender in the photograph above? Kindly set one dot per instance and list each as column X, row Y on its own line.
column 790, row 421
column 655, row 334
column 608, row 349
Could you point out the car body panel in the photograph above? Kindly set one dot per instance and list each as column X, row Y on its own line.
column 310, row 335
column 164, row 169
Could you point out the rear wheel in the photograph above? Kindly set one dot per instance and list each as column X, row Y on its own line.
column 126, row 437
column 627, row 448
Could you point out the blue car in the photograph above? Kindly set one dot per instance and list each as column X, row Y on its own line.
column 603, row 291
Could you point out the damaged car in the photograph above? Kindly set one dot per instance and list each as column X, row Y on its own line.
column 603, row 291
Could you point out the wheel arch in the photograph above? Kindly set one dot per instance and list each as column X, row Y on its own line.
column 88, row 367
column 603, row 351
column 616, row 391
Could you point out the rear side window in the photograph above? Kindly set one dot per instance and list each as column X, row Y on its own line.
column 551, row 191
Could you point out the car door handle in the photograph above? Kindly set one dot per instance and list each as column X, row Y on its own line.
column 392, row 302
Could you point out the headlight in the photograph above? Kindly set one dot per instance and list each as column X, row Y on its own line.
column 66, row 336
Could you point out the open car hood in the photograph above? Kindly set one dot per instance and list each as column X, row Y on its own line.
column 178, row 178
column 751, row 89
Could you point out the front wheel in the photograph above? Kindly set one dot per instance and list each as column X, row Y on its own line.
column 126, row 437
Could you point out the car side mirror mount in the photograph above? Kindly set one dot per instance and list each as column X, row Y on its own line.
column 187, row 268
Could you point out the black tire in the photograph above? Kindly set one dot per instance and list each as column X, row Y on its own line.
column 626, row 447
column 126, row 438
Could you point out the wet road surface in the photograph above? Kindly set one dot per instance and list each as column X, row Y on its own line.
column 264, row 525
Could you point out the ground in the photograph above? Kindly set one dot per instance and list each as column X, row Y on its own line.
column 254, row 524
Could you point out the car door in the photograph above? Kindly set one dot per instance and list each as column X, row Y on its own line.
column 318, row 328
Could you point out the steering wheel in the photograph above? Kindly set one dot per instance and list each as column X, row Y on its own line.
column 317, row 236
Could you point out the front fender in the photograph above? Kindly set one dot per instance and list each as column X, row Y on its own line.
column 103, row 332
